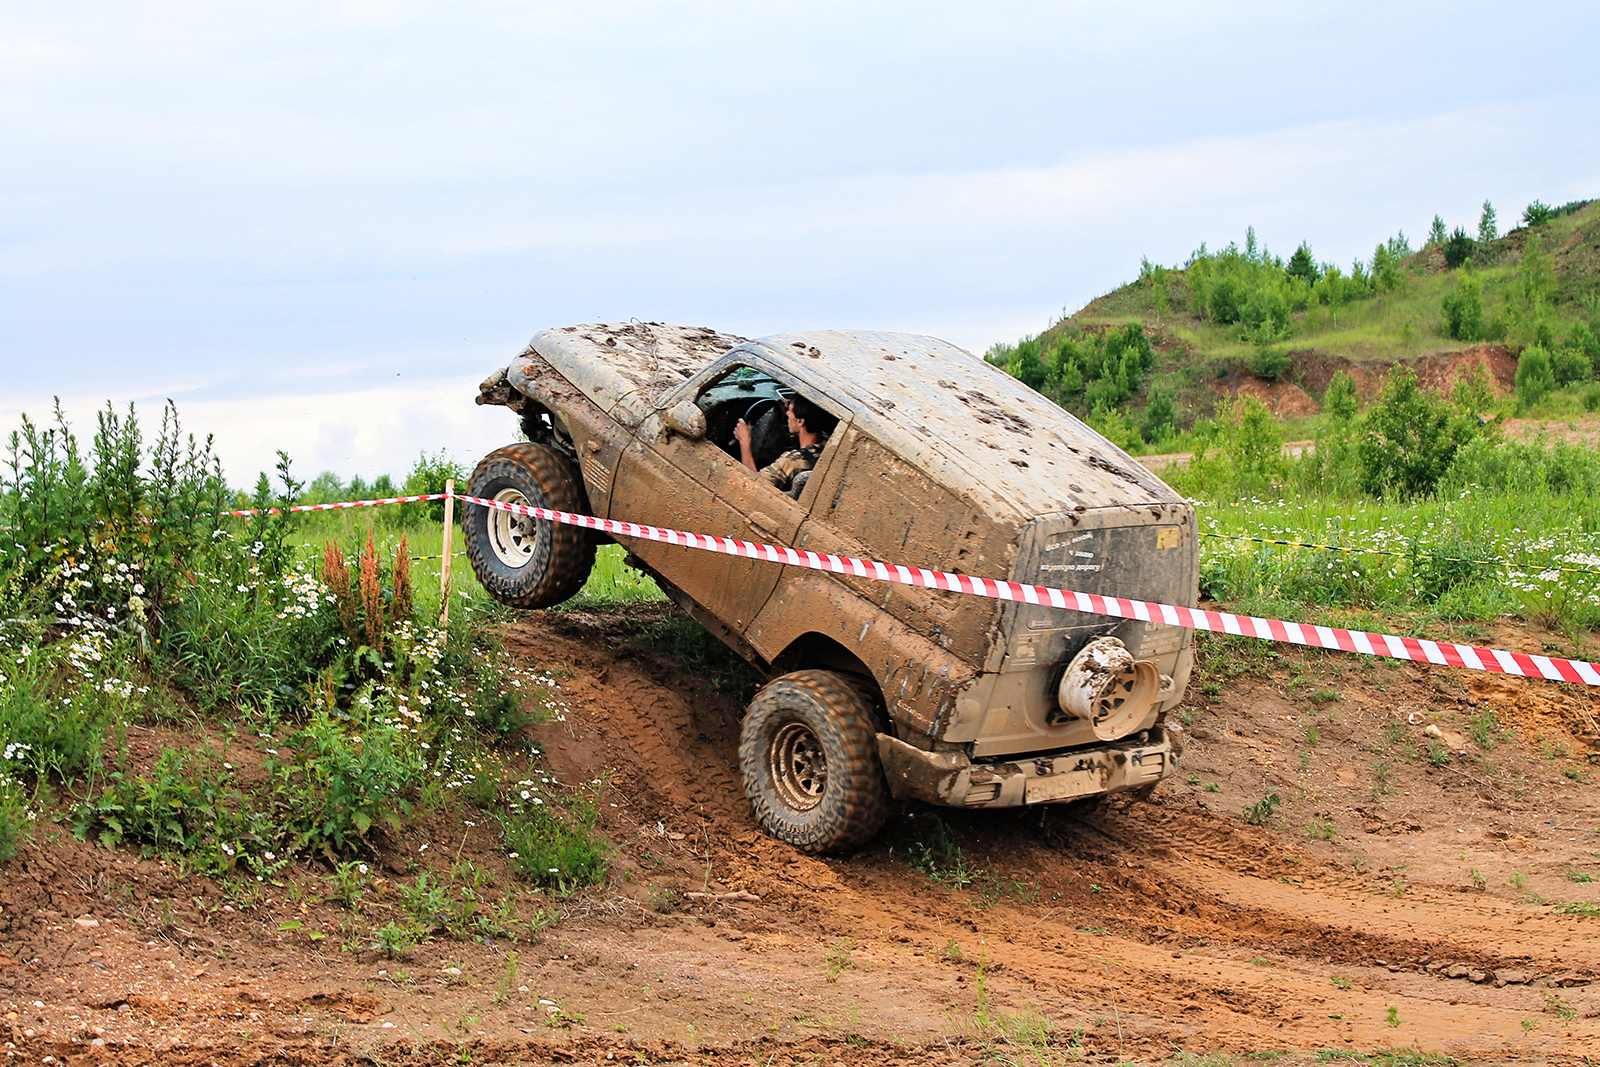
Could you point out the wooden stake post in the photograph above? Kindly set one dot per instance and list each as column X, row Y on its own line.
column 444, row 565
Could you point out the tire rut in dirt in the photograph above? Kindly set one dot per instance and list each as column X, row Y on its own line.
column 668, row 743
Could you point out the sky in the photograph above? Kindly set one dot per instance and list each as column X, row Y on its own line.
column 315, row 226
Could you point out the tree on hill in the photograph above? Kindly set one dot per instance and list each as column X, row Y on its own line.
column 1463, row 308
column 1488, row 230
column 1302, row 265
column 1436, row 232
column 1457, row 248
column 1387, row 258
column 1537, row 214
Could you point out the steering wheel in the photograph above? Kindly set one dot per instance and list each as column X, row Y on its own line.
column 750, row 416
column 761, row 402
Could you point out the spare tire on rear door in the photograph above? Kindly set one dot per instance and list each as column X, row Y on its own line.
column 520, row 560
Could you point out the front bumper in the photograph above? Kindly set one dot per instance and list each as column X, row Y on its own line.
column 952, row 779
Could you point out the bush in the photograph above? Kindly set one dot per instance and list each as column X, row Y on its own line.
column 1463, row 309
column 1535, row 379
column 1472, row 394
column 1457, row 248
column 1269, row 364
column 1448, row 565
column 428, row 475
column 16, row 820
column 56, row 705
column 185, row 807
column 1410, row 439
column 1265, row 313
column 1226, row 302
column 1523, row 467
column 239, row 635
column 1245, row 456
column 1160, row 421
column 146, row 514
column 348, row 776
column 1569, row 365
column 1340, row 398
column 1537, row 214
column 1582, row 339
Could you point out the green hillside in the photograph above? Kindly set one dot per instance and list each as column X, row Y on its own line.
column 1152, row 358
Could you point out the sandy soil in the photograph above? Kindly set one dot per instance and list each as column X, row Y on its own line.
column 1403, row 892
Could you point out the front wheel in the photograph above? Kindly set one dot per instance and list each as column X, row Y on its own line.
column 808, row 755
column 519, row 560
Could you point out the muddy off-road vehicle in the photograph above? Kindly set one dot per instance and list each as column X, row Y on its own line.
column 939, row 460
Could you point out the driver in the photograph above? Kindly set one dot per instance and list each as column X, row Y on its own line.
column 810, row 424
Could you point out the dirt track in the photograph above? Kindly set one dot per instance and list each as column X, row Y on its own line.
column 1136, row 930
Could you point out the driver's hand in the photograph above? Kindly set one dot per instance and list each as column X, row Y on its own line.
column 741, row 432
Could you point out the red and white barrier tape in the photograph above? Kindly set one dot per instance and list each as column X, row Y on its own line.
column 1370, row 644
column 342, row 504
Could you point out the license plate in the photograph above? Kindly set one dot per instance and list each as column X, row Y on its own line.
column 1063, row 786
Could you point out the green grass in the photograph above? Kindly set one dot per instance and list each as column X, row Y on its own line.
column 1525, row 554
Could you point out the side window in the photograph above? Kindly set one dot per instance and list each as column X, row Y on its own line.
column 766, row 425
column 746, row 393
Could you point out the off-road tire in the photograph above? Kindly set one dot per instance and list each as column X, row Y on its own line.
column 809, row 758
column 522, row 561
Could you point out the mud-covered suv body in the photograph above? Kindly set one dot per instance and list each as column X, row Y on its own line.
column 939, row 461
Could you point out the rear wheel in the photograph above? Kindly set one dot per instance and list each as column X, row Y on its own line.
column 808, row 755
column 519, row 560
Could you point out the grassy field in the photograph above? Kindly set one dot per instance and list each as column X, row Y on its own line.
column 609, row 583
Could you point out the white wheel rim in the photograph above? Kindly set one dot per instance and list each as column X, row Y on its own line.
column 512, row 536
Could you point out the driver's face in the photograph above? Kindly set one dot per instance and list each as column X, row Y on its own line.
column 794, row 423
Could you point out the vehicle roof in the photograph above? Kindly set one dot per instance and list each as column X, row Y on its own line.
column 968, row 425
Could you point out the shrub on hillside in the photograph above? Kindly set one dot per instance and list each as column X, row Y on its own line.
column 1472, row 394
column 1387, row 259
column 1463, row 309
column 1568, row 365
column 1265, row 314
column 1244, row 456
column 1582, row 339
column 1534, row 379
column 1340, row 398
column 1088, row 371
column 1409, row 440
column 1160, row 421
column 1457, row 248
column 1537, row 214
column 1269, row 364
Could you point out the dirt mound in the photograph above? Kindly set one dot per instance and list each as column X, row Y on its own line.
column 1284, row 399
column 1314, row 369
column 1356, row 854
